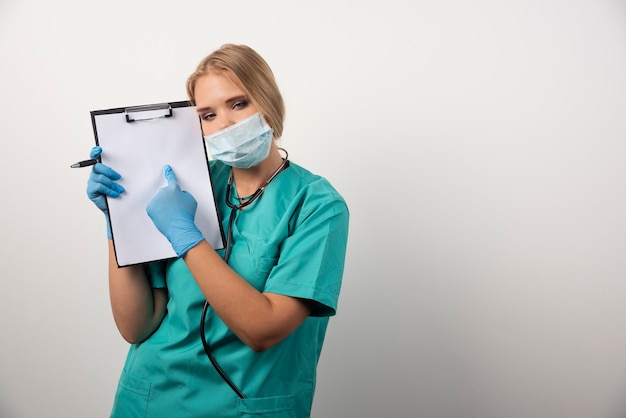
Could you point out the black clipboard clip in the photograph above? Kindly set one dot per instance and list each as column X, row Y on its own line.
column 148, row 112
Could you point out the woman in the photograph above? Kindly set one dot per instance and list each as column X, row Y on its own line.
column 236, row 331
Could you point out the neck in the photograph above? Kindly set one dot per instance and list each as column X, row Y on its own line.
column 249, row 180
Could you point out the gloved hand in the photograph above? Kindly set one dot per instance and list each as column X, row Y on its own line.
column 102, row 183
column 173, row 211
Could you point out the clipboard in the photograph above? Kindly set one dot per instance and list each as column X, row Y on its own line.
column 137, row 142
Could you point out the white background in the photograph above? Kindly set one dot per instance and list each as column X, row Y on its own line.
column 479, row 144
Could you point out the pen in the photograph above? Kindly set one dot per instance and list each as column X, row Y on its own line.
column 85, row 163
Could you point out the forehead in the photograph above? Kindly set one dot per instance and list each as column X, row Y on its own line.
column 215, row 88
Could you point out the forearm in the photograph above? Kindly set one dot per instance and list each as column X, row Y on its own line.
column 137, row 308
column 260, row 320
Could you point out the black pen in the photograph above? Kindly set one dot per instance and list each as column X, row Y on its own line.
column 85, row 163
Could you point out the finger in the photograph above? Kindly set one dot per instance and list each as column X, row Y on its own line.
column 96, row 181
column 95, row 152
column 96, row 189
column 107, row 171
column 170, row 176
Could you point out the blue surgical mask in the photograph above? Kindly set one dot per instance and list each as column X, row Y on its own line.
column 242, row 145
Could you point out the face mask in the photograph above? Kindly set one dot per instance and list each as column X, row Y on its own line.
column 242, row 145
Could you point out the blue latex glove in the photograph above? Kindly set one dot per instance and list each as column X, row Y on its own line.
column 102, row 183
column 173, row 211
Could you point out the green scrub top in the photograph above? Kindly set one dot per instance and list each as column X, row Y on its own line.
column 291, row 241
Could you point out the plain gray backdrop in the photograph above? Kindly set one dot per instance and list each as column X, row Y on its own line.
column 480, row 146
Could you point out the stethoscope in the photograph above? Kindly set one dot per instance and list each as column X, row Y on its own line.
column 243, row 202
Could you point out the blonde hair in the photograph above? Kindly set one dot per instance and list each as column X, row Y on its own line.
column 246, row 68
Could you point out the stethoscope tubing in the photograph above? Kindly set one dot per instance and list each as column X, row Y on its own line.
column 229, row 241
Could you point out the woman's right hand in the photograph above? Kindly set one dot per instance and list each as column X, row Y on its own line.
column 102, row 182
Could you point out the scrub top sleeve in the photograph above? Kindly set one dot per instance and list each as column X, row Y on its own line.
column 312, row 259
column 156, row 273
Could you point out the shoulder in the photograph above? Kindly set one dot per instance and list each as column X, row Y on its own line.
column 219, row 170
column 309, row 188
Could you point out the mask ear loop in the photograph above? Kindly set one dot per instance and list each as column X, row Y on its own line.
column 229, row 242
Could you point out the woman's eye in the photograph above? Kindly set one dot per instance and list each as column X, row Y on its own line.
column 240, row 105
column 208, row 116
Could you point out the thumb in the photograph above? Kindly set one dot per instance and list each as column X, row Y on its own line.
column 170, row 176
column 95, row 152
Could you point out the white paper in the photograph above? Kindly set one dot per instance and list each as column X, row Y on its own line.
column 138, row 151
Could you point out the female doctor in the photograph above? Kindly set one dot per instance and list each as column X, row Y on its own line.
column 238, row 331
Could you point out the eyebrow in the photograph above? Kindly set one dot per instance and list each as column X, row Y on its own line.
column 229, row 102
